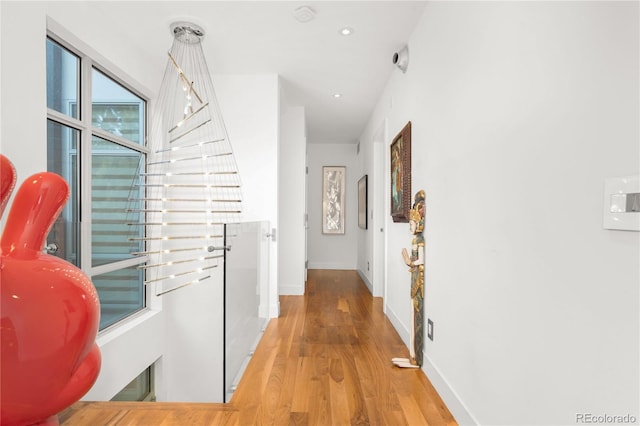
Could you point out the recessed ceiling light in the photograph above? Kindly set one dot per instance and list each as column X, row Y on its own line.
column 337, row 95
column 345, row 31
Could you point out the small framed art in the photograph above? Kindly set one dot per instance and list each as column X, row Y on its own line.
column 333, row 198
column 401, row 175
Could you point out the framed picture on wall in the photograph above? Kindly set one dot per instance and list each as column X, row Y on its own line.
column 333, row 199
column 362, row 202
column 401, row 175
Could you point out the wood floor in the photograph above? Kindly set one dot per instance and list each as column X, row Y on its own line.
column 325, row 361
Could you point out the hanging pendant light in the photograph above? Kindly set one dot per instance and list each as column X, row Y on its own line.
column 191, row 186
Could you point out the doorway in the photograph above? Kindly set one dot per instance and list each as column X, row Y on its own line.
column 378, row 212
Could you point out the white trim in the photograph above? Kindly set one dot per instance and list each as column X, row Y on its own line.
column 290, row 290
column 402, row 331
column 70, row 41
column 65, row 119
column 366, row 281
column 123, row 326
column 90, row 60
column 85, row 167
column 110, row 137
column 331, row 265
column 116, row 266
column 449, row 396
column 378, row 197
column 274, row 311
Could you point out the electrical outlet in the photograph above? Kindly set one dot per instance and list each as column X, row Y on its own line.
column 430, row 329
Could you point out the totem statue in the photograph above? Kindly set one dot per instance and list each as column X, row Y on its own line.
column 415, row 261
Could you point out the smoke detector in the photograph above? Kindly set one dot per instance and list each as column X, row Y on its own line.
column 304, row 14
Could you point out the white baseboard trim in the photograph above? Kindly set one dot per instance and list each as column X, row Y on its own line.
column 274, row 311
column 291, row 290
column 451, row 399
column 331, row 265
column 366, row 281
column 398, row 325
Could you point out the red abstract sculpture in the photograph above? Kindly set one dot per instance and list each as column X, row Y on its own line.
column 50, row 311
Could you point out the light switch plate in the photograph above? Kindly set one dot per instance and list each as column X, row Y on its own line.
column 617, row 212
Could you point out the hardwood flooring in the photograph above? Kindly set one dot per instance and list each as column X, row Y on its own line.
column 325, row 361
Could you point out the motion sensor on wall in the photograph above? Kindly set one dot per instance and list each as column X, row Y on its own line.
column 401, row 59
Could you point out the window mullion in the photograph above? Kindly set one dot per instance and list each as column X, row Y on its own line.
column 96, row 140
column 65, row 120
column 114, row 266
column 119, row 140
column 85, row 165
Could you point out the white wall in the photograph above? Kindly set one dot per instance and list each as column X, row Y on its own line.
column 250, row 109
column 141, row 340
column 193, row 359
column 251, row 116
column 365, row 243
column 332, row 251
column 291, row 201
column 192, row 364
column 519, row 112
column 371, row 241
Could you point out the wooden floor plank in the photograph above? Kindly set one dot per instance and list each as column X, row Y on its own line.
column 283, row 408
column 300, row 398
column 412, row 411
column 148, row 413
column 319, row 402
column 325, row 361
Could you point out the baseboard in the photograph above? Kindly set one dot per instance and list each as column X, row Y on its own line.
column 451, row 399
column 403, row 332
column 291, row 290
column 274, row 311
column 366, row 281
column 331, row 265
column 448, row 395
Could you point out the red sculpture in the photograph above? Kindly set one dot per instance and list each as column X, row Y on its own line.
column 50, row 311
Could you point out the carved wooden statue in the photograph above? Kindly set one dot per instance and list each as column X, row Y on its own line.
column 415, row 261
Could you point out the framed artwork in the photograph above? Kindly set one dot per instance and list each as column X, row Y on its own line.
column 362, row 202
column 401, row 175
column 333, row 195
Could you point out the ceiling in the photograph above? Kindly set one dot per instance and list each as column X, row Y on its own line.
column 313, row 59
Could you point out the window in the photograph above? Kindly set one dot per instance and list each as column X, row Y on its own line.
column 96, row 140
column 139, row 389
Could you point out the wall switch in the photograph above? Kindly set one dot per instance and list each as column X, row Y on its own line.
column 622, row 203
column 430, row 329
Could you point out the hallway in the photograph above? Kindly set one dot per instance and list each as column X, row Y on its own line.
column 325, row 361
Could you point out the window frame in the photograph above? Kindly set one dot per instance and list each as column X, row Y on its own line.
column 90, row 60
